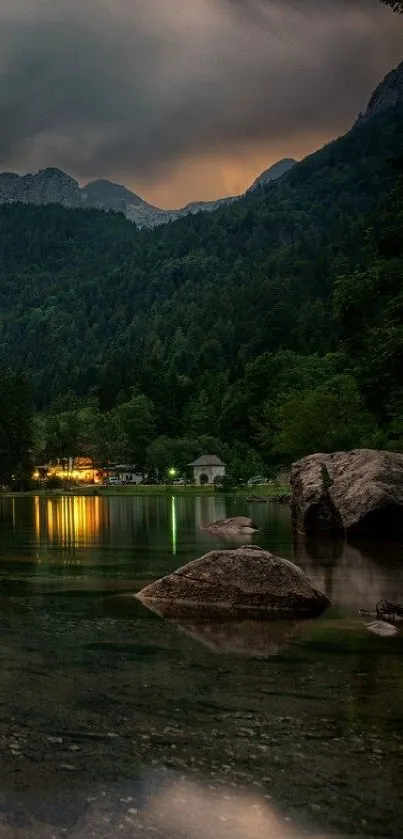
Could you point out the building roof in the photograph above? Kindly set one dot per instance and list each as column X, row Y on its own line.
column 207, row 460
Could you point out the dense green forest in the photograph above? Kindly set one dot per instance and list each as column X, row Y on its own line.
column 16, row 429
column 264, row 331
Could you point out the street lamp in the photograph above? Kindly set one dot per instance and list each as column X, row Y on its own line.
column 172, row 473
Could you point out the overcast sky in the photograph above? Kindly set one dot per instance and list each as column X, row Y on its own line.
column 184, row 99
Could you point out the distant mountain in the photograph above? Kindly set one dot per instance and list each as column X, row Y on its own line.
column 48, row 186
column 206, row 206
column 106, row 195
column 273, row 173
column 53, row 186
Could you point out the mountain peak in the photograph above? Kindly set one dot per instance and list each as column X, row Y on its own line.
column 387, row 94
column 273, row 173
column 52, row 172
column 48, row 186
column 108, row 195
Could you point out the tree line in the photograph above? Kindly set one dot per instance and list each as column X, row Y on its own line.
column 262, row 332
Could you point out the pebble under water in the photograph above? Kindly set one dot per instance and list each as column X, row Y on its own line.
column 114, row 722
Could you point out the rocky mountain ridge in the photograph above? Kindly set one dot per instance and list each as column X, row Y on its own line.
column 387, row 94
column 52, row 185
column 45, row 187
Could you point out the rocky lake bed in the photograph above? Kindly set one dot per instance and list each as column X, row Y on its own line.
column 115, row 721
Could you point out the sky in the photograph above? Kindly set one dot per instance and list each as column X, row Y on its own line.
column 184, row 100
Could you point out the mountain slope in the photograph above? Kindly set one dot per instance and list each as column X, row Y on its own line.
column 54, row 186
column 387, row 95
column 273, row 173
column 106, row 195
column 209, row 315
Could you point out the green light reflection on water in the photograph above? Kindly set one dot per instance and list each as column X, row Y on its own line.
column 173, row 525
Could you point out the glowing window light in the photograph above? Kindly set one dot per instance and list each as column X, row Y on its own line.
column 80, row 475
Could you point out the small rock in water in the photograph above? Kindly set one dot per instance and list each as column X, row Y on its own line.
column 381, row 628
column 237, row 526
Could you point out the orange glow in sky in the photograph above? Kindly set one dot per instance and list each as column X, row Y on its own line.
column 206, row 178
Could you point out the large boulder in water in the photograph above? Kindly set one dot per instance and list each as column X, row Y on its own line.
column 357, row 493
column 248, row 579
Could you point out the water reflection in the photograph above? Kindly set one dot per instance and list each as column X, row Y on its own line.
column 209, row 509
column 156, row 805
column 74, row 522
column 116, row 723
column 174, row 525
column 69, row 521
column 352, row 576
column 186, row 809
column 249, row 638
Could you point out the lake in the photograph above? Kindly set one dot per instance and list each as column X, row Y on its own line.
column 114, row 722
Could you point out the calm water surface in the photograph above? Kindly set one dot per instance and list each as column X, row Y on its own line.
column 114, row 722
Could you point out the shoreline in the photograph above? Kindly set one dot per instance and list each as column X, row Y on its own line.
column 263, row 491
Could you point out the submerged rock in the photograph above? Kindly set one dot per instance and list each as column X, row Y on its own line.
column 383, row 629
column 237, row 526
column 357, row 493
column 248, row 579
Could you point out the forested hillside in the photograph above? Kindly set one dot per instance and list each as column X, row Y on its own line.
column 273, row 325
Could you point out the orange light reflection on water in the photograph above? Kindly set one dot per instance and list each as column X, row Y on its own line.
column 68, row 521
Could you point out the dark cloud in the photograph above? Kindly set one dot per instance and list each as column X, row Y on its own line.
column 129, row 88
